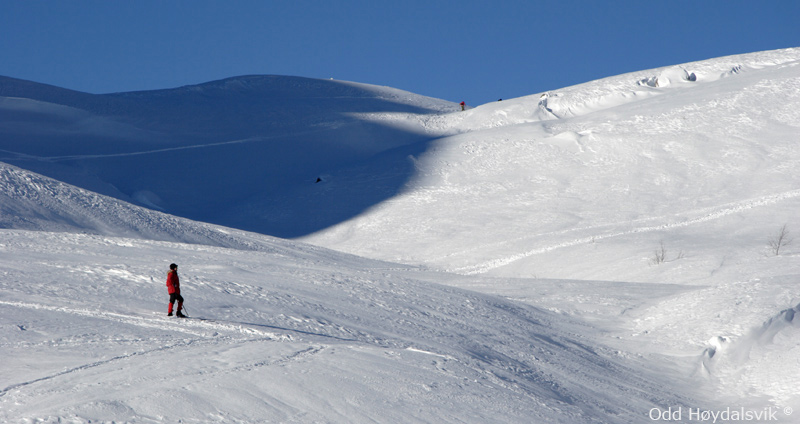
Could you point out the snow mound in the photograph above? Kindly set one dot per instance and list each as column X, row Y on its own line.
column 667, row 77
column 760, row 360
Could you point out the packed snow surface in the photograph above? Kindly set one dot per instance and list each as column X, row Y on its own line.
column 613, row 252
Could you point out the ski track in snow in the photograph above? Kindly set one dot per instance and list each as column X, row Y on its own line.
column 24, row 156
column 205, row 332
column 706, row 215
column 95, row 364
column 297, row 355
column 193, row 326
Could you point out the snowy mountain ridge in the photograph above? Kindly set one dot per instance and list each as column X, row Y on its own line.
column 667, row 156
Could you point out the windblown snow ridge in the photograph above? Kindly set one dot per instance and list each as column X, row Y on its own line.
column 29, row 201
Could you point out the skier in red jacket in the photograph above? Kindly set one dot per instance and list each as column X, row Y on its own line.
column 174, row 289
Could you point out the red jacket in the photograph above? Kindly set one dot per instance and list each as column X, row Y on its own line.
column 173, row 283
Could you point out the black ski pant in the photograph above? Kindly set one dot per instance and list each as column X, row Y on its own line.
column 172, row 298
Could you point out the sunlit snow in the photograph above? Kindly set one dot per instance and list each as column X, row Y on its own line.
column 602, row 253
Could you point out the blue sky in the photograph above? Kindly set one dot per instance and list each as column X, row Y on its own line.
column 475, row 51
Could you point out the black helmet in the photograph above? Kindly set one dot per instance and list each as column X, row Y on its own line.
column 173, row 266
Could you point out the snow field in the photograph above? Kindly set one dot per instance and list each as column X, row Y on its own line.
column 492, row 265
column 289, row 337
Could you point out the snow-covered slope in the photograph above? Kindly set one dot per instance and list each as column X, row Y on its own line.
column 680, row 175
column 522, row 192
column 282, row 332
column 244, row 152
column 607, row 247
column 29, row 201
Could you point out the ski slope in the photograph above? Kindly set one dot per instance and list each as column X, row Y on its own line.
column 288, row 334
column 499, row 264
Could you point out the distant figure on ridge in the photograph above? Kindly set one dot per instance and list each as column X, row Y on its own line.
column 463, row 105
column 174, row 290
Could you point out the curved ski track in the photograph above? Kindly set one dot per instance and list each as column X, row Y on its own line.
column 204, row 330
column 700, row 216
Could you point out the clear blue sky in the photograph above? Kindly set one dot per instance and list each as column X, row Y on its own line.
column 471, row 50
